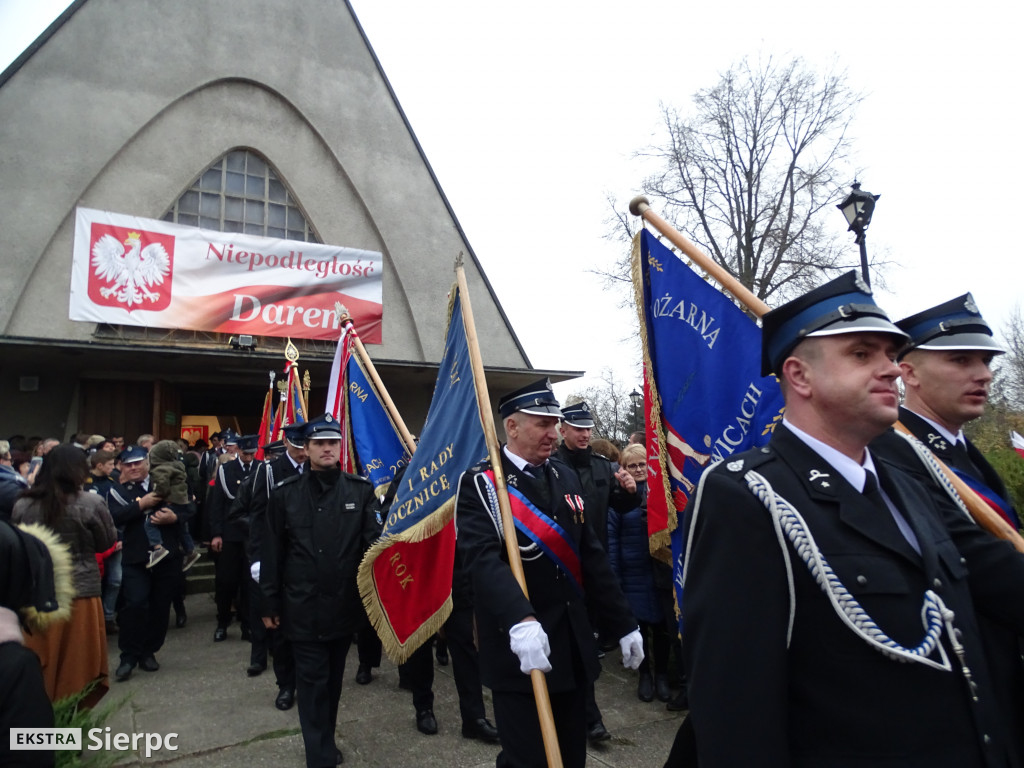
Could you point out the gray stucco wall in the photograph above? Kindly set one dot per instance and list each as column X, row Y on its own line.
column 127, row 102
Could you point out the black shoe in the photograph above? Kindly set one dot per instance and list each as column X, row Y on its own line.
column 679, row 703
column 285, row 699
column 363, row 675
column 341, row 757
column 149, row 663
column 255, row 670
column 661, row 688
column 111, row 627
column 124, row 671
column 482, row 729
column 180, row 620
column 220, row 634
column 442, row 653
column 645, row 688
column 426, row 722
column 597, row 732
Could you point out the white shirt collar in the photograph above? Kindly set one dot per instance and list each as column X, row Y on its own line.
column 855, row 474
column 950, row 437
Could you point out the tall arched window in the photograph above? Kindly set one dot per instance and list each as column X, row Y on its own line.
column 241, row 192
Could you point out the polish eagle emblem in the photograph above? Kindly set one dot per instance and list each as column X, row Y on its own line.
column 134, row 271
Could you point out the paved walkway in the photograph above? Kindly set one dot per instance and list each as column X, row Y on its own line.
column 225, row 719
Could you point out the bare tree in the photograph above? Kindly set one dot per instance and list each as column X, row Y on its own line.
column 751, row 172
column 1011, row 365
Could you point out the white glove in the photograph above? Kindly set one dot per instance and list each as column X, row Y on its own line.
column 254, row 571
column 529, row 642
column 632, row 646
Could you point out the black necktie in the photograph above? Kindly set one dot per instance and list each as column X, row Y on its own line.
column 872, row 492
column 537, row 473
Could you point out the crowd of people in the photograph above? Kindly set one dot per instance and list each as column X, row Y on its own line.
column 839, row 606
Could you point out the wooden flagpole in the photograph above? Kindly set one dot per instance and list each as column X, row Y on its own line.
column 345, row 319
column 981, row 512
column 540, row 687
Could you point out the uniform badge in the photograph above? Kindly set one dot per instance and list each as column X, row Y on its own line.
column 937, row 442
column 513, row 480
column 350, row 505
column 969, row 304
column 861, row 285
column 735, row 466
column 818, row 478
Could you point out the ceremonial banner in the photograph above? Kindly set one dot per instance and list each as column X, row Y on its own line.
column 405, row 579
column 128, row 270
column 266, row 432
column 1018, row 443
column 379, row 447
column 703, row 357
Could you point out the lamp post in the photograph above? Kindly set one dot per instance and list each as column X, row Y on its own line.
column 637, row 399
column 857, row 208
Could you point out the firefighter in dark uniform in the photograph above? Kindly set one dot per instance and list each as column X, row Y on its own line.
column 146, row 593
column 605, row 485
column 830, row 600
column 946, row 375
column 228, row 538
column 319, row 525
column 290, row 463
column 566, row 572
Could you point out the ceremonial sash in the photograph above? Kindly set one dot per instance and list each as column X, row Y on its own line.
column 993, row 499
column 543, row 531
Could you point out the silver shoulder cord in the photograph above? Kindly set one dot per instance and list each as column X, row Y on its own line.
column 928, row 459
column 789, row 524
column 489, row 496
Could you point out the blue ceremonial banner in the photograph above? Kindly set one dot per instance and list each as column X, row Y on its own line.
column 379, row 447
column 405, row 579
column 703, row 358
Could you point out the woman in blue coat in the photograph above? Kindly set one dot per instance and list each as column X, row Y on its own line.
column 630, row 558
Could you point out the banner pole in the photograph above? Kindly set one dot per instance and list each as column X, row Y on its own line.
column 483, row 401
column 982, row 514
column 640, row 206
column 345, row 319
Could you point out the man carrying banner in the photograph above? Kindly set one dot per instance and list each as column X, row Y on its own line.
column 946, row 376
column 319, row 525
column 565, row 569
column 830, row 600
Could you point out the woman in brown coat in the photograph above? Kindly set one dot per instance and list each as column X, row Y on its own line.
column 73, row 653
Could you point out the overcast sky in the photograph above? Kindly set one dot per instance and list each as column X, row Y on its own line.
column 530, row 112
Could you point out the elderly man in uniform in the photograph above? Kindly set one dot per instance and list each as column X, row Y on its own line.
column 605, row 485
column 146, row 593
column 228, row 537
column 830, row 600
column 566, row 572
column 319, row 525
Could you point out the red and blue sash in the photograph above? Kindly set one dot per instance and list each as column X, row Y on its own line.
column 990, row 497
column 543, row 531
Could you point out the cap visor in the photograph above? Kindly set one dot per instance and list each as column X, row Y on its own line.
column 966, row 341
column 863, row 324
column 542, row 410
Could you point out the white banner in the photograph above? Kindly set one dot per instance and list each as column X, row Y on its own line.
column 133, row 271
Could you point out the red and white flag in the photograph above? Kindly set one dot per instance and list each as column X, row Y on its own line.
column 1018, row 443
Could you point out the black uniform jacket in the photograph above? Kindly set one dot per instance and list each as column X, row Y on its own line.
column 1002, row 644
column 601, row 488
column 254, row 499
column 123, row 501
column 227, row 483
column 498, row 600
column 830, row 699
column 977, row 466
column 312, row 549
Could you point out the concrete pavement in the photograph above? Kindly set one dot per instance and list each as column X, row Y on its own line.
column 225, row 719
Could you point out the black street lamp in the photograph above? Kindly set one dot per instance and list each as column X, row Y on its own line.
column 637, row 399
column 857, row 208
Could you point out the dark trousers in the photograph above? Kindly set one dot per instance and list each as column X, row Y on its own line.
column 655, row 636
column 232, row 575
column 465, row 662
column 23, row 704
column 319, row 669
column 418, row 673
column 272, row 640
column 522, row 745
column 368, row 647
column 145, row 604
